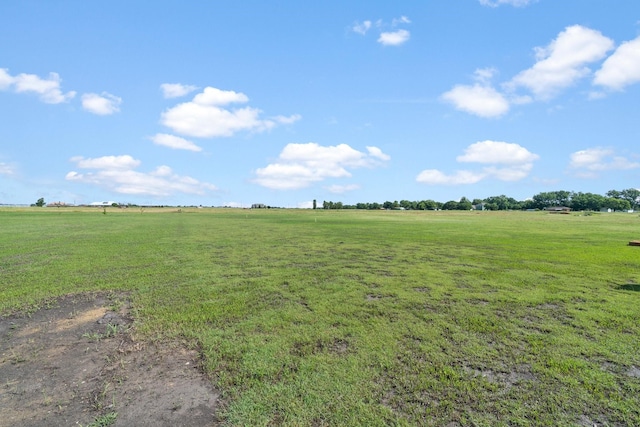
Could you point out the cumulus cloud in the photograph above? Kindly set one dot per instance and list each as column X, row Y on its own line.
column 300, row 165
column 480, row 100
column 208, row 115
column 47, row 88
column 504, row 161
column 118, row 174
column 558, row 65
column 590, row 162
column 516, row 3
column 5, row 79
column 176, row 90
column 394, row 38
column 563, row 62
column 106, row 162
column 436, row 177
column 497, row 152
column 174, row 142
column 215, row 96
column 103, row 105
column 622, row 68
column 378, row 154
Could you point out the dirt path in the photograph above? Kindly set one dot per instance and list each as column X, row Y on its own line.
column 75, row 363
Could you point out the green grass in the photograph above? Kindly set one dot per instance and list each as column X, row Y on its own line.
column 364, row 317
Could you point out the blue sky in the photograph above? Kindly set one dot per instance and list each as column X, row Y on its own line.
column 282, row 102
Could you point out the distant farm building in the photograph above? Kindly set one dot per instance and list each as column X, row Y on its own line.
column 109, row 203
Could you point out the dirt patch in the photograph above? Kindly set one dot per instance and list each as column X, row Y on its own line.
column 76, row 362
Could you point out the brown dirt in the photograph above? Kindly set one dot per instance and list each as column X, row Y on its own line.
column 76, row 362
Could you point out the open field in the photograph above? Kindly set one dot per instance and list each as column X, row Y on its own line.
column 363, row 317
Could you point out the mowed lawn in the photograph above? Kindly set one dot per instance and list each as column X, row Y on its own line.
column 364, row 317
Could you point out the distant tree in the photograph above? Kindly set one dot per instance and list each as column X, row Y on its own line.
column 314, row 204
column 551, row 198
column 615, row 194
column 429, row 205
column 586, row 201
column 502, row 203
column 464, row 204
column 40, row 203
column 450, row 205
column 617, row 204
column 632, row 195
column 407, row 204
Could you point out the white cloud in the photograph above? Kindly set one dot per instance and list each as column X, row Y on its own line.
column 205, row 116
column 589, row 162
column 117, row 174
column 174, row 142
column 506, row 162
column 176, row 90
column 341, row 189
column 204, row 121
column 481, row 100
column 563, row 61
column 361, row 27
column 516, row 3
column 48, row 89
column 106, row 162
column 435, row 177
column 377, row 153
column 391, row 37
column 559, row 65
column 394, row 38
column 5, row 79
column 214, row 96
column 622, row 68
column 497, row 152
column 300, row 165
column 103, row 105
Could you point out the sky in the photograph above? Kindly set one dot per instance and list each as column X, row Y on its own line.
column 231, row 103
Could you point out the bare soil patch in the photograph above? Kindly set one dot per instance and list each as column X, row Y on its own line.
column 76, row 362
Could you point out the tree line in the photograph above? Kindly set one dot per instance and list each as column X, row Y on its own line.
column 615, row 200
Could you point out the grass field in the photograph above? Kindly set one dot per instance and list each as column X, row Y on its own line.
column 364, row 317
